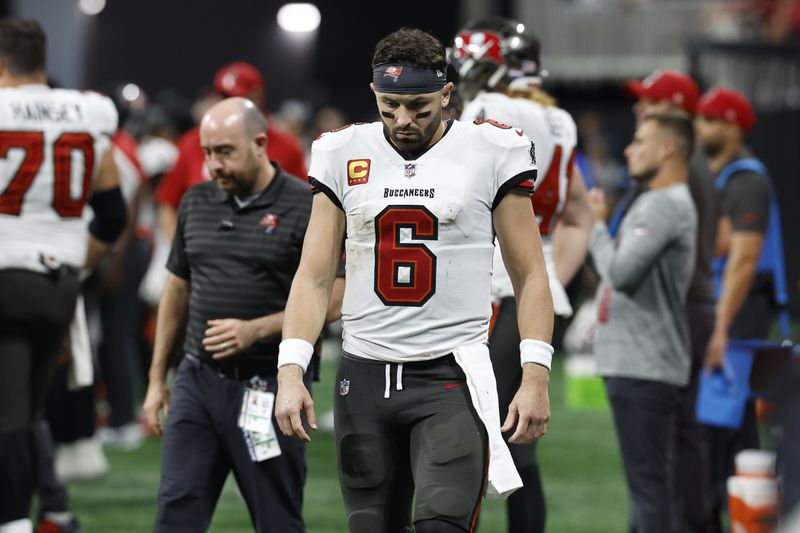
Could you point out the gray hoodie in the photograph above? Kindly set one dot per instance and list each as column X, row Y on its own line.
column 642, row 330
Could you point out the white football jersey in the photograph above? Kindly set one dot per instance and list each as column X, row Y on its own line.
column 555, row 135
column 51, row 143
column 556, row 138
column 419, row 233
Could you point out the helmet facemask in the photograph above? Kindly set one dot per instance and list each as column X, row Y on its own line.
column 492, row 54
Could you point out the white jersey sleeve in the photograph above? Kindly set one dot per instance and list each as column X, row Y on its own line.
column 101, row 113
column 51, row 145
column 327, row 177
column 516, row 167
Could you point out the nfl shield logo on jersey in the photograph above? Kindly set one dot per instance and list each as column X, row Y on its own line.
column 344, row 387
column 410, row 170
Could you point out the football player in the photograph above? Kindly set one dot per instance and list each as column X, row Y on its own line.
column 500, row 79
column 419, row 200
column 54, row 158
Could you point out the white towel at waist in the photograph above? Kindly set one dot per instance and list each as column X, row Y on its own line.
column 81, row 373
column 155, row 279
column 474, row 360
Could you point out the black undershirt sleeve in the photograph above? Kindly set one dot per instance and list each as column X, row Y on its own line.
column 317, row 187
column 746, row 202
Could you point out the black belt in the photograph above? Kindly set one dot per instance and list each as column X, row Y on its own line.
column 445, row 360
column 239, row 370
column 56, row 268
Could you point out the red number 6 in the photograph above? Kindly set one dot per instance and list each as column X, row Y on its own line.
column 405, row 273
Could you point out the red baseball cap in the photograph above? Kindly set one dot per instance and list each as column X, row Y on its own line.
column 678, row 88
column 238, row 79
column 728, row 105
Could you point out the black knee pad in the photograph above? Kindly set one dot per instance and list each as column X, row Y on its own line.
column 361, row 459
column 365, row 521
column 452, row 440
column 448, row 502
column 450, row 485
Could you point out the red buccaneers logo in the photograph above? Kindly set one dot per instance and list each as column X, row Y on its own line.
column 393, row 72
column 269, row 221
column 603, row 305
column 480, row 46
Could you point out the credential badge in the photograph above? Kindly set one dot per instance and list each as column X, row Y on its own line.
column 344, row 387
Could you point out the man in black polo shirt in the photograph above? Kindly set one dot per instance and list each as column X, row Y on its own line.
column 234, row 255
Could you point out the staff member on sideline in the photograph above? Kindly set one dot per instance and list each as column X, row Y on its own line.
column 642, row 346
column 666, row 91
column 235, row 252
column 744, row 263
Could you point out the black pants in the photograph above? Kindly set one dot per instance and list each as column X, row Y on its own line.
column 35, row 313
column 203, row 443
column 53, row 497
column 70, row 413
column 119, row 353
column 752, row 322
column 789, row 409
column 526, row 507
column 408, row 437
column 644, row 416
column 690, row 472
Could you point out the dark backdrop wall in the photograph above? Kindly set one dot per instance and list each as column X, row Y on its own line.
column 775, row 141
column 768, row 76
column 180, row 44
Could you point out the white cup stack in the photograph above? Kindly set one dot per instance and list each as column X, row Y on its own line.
column 753, row 493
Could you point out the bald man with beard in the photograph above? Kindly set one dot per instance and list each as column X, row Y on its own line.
column 235, row 252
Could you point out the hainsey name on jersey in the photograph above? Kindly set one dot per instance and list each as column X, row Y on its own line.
column 48, row 111
column 51, row 143
column 419, row 233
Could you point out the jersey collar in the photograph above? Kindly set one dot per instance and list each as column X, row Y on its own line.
column 410, row 156
column 33, row 86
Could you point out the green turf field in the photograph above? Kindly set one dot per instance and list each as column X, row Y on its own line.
column 579, row 460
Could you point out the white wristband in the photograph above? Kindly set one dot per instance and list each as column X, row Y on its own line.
column 533, row 351
column 295, row 352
